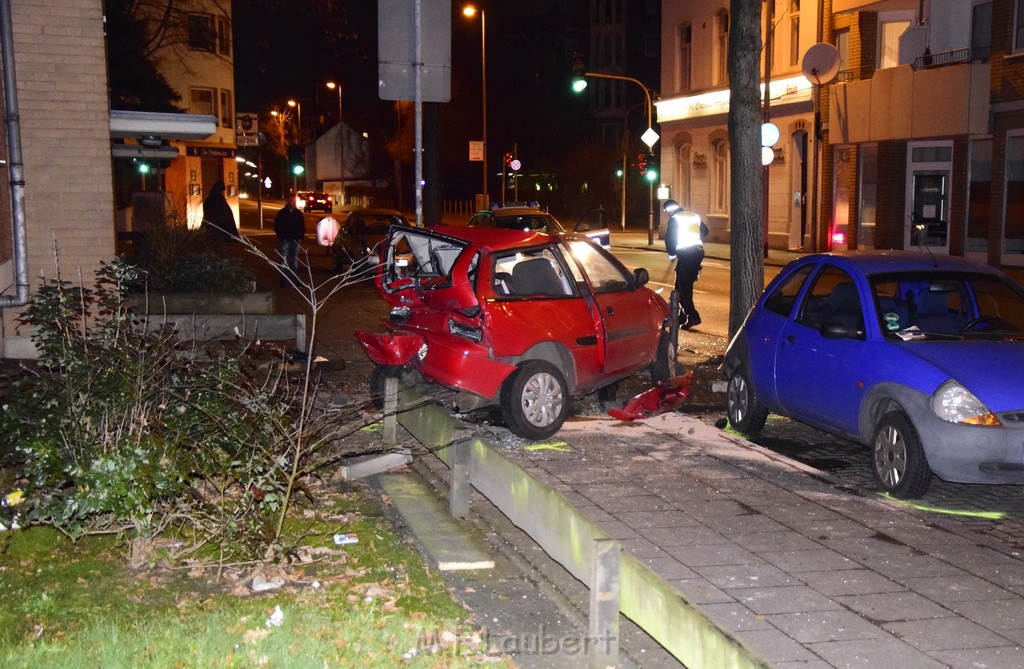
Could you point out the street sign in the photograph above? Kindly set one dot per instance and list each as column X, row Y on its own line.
column 476, row 152
column 397, row 55
column 515, row 165
column 247, row 130
column 650, row 137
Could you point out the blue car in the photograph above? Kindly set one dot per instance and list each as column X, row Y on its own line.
column 920, row 358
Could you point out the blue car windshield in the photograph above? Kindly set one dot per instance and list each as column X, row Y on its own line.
column 913, row 305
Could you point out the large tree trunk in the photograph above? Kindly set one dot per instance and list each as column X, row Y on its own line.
column 746, row 203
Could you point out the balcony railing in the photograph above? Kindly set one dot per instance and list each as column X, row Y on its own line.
column 952, row 57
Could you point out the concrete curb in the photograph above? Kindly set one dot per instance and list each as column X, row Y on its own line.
column 568, row 537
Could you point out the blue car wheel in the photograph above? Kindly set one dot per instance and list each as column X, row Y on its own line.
column 898, row 462
column 746, row 414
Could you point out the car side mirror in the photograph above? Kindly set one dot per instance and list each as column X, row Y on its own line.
column 640, row 277
column 838, row 330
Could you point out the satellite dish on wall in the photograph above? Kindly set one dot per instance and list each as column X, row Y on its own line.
column 821, row 63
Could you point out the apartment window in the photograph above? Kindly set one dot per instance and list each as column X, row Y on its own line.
column 720, row 155
column 889, row 43
column 842, row 38
column 227, row 110
column 202, row 36
column 201, row 101
column 223, row 37
column 722, row 48
column 794, row 32
column 685, row 57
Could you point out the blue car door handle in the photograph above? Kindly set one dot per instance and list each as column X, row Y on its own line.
column 791, row 339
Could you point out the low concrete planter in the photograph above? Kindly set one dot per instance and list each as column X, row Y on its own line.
column 205, row 303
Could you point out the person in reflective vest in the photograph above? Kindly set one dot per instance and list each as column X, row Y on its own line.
column 684, row 242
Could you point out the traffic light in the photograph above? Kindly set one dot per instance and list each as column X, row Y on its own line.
column 650, row 170
column 641, row 163
column 508, row 162
column 143, row 167
column 297, row 159
column 579, row 70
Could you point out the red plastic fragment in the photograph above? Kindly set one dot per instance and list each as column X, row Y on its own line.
column 667, row 395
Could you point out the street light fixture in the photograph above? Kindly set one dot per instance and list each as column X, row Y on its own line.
column 341, row 144
column 298, row 120
column 470, row 11
column 650, row 137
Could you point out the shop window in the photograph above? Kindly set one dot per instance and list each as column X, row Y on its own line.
column 1013, row 235
column 979, row 195
column 720, row 151
column 867, row 205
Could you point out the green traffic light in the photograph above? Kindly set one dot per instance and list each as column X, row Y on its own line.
column 651, row 175
column 298, row 169
column 618, row 173
column 143, row 168
column 578, row 85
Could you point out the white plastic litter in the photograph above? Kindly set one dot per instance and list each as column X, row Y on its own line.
column 276, row 618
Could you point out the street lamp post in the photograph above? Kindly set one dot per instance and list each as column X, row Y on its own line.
column 650, row 134
column 298, row 120
column 470, row 10
column 341, row 145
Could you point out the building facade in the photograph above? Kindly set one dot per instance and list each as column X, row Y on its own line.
column 694, row 106
column 172, row 170
column 59, row 62
column 921, row 130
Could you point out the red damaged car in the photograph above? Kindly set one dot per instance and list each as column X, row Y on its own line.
column 518, row 319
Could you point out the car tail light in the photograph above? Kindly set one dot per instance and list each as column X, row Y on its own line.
column 328, row 198
column 470, row 332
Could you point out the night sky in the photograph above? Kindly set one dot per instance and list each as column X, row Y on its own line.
column 289, row 49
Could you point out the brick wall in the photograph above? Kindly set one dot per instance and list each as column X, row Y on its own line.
column 60, row 62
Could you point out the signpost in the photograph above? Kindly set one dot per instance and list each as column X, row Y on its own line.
column 414, row 53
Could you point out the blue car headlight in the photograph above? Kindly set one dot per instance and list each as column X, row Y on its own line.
column 954, row 403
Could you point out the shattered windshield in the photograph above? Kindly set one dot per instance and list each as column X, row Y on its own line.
column 417, row 257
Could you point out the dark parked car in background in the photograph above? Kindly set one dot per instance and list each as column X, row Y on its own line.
column 307, row 200
column 919, row 357
column 529, row 216
column 360, row 234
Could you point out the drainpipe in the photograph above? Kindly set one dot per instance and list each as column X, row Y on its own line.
column 15, row 164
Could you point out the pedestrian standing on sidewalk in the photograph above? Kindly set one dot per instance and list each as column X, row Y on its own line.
column 684, row 242
column 218, row 219
column 290, row 228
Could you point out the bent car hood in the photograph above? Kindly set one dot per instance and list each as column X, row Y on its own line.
column 992, row 370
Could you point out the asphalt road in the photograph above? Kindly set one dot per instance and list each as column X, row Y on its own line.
column 996, row 511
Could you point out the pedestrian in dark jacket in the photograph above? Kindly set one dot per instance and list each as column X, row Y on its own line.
column 218, row 219
column 290, row 227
